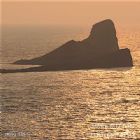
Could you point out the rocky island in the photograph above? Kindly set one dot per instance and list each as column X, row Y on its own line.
column 99, row 50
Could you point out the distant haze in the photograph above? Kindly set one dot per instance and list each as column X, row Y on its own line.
column 69, row 13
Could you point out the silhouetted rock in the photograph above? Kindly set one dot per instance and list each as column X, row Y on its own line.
column 99, row 50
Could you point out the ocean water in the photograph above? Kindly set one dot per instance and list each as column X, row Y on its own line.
column 67, row 105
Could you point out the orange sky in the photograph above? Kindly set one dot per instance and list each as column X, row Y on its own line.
column 71, row 0
column 69, row 13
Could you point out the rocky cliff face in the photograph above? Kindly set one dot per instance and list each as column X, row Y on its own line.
column 103, row 37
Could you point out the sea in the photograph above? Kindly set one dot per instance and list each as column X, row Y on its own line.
column 95, row 104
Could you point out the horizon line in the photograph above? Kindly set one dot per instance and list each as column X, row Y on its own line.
column 70, row 1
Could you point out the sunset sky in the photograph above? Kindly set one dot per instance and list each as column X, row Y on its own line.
column 41, row 12
column 70, row 0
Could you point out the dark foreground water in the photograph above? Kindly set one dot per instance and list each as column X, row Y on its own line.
column 67, row 105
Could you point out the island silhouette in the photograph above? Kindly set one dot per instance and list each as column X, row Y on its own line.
column 99, row 50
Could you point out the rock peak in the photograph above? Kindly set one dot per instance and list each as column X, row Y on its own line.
column 103, row 34
column 103, row 26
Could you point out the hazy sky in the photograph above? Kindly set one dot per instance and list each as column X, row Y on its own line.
column 71, row 0
column 68, row 13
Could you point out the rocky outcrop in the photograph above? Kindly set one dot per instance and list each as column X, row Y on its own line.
column 99, row 50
